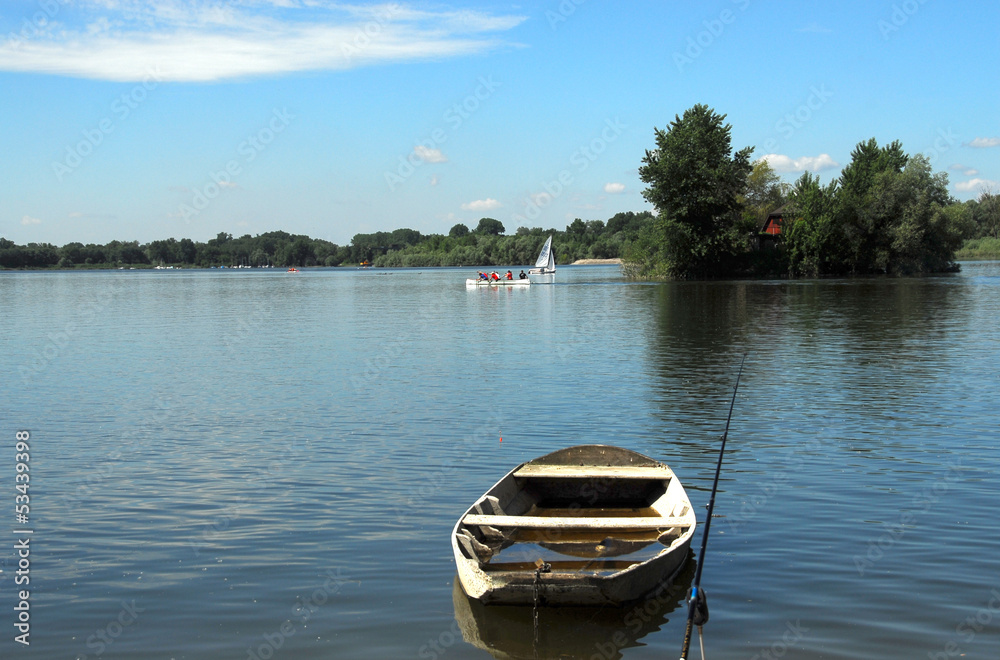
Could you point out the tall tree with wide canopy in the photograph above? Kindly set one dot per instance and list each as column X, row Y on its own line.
column 695, row 182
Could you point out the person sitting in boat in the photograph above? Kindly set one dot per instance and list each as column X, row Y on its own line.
column 482, row 276
column 522, row 275
column 494, row 276
column 510, row 275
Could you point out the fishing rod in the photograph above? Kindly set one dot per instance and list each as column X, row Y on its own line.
column 697, row 602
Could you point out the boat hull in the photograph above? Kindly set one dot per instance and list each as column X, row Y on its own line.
column 605, row 551
column 472, row 282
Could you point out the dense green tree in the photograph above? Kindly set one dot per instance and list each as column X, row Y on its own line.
column 695, row 182
column 812, row 239
column 459, row 231
column 578, row 227
column 490, row 227
column 985, row 214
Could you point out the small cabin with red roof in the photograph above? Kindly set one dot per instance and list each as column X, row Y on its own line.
column 775, row 221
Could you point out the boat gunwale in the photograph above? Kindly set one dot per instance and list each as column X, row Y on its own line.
column 512, row 582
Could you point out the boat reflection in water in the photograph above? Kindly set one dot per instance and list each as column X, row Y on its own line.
column 508, row 631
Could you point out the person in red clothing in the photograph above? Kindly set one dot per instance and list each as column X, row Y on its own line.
column 494, row 276
column 510, row 275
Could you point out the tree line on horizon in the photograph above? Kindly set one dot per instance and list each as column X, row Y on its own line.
column 484, row 245
column 887, row 212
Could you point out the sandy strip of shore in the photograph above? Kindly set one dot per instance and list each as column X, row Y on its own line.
column 588, row 262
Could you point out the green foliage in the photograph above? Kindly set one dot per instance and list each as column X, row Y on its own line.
column 980, row 248
column 887, row 213
column 812, row 240
column 490, row 227
column 695, row 182
column 984, row 214
column 399, row 248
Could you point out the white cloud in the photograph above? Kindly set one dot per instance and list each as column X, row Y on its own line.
column 982, row 143
column 183, row 40
column 966, row 171
column 28, row 220
column 977, row 184
column 785, row 164
column 429, row 155
column 434, row 179
column 487, row 204
column 613, row 188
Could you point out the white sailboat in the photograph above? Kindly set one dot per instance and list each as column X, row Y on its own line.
column 546, row 262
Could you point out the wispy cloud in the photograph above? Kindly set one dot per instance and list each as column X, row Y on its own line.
column 28, row 220
column 984, row 142
column 487, row 204
column 429, row 155
column 977, row 184
column 966, row 171
column 785, row 164
column 197, row 40
column 614, row 188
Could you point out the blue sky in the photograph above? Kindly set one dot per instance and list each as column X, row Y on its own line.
column 140, row 120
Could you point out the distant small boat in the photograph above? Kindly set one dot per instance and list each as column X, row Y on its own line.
column 292, row 270
column 586, row 525
column 545, row 264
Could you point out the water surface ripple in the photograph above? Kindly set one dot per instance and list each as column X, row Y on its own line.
column 257, row 463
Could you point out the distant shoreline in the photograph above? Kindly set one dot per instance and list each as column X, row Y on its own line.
column 591, row 262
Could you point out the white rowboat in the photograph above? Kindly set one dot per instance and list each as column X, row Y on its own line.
column 586, row 525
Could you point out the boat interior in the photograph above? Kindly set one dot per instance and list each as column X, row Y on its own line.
column 589, row 520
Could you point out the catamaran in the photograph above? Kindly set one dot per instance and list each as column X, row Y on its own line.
column 546, row 262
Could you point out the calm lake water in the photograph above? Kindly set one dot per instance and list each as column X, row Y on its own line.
column 253, row 464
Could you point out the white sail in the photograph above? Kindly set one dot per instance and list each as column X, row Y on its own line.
column 545, row 258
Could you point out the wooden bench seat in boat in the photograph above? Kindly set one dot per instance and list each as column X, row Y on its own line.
column 594, row 472
column 577, row 522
